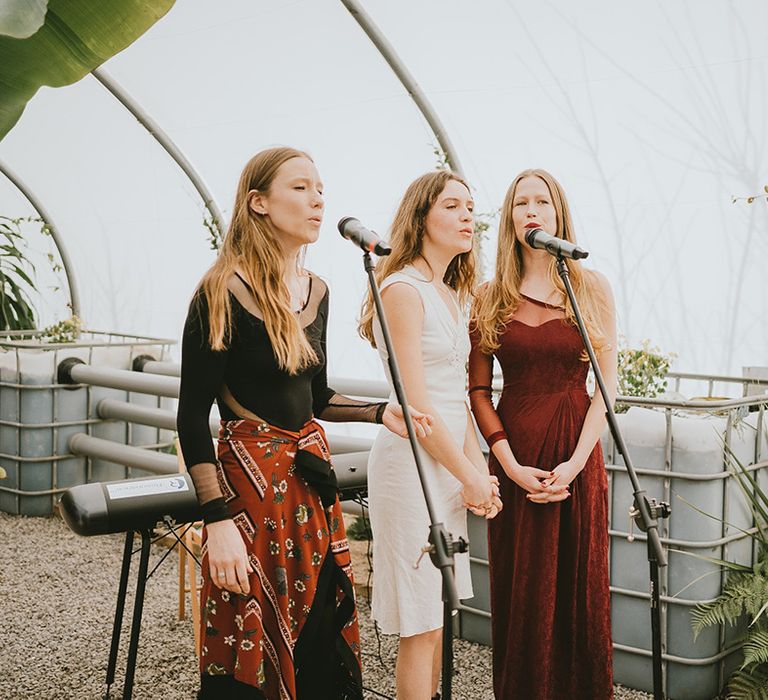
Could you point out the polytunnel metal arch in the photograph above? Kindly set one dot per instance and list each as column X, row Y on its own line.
column 383, row 46
column 37, row 205
column 165, row 142
column 389, row 54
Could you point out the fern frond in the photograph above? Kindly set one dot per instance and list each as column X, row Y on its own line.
column 756, row 649
column 743, row 593
column 726, row 609
column 759, row 613
column 748, row 685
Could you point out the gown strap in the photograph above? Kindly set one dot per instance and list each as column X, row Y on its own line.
column 545, row 304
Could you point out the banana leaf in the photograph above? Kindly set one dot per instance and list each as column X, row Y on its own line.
column 76, row 37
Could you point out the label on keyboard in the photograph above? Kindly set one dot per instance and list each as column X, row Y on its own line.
column 147, row 487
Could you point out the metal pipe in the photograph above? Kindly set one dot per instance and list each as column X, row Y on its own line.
column 54, row 424
column 80, row 373
column 130, row 412
column 112, row 409
column 636, row 650
column 641, row 537
column 475, row 611
column 97, row 338
column 644, row 595
column 165, row 142
column 353, row 508
column 345, row 444
column 389, row 54
column 705, row 661
column 168, row 369
column 707, row 406
column 125, row 455
column 144, row 415
column 716, row 378
column 66, row 262
column 684, row 475
column 371, row 388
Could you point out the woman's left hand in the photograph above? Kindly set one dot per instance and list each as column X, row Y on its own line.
column 393, row 419
column 563, row 474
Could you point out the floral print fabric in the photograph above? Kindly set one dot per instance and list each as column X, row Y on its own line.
column 288, row 534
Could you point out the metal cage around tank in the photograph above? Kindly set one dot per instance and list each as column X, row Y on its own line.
column 678, row 448
column 39, row 414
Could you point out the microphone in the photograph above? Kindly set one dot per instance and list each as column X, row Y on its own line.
column 536, row 238
column 351, row 229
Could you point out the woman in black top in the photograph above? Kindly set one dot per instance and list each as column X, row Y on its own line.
column 278, row 610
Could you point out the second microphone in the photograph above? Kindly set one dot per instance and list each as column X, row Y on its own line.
column 351, row 229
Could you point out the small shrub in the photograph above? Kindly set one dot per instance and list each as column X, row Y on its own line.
column 643, row 371
column 744, row 596
column 17, row 311
column 360, row 529
column 66, row 331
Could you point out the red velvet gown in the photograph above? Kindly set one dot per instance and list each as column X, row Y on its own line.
column 550, row 601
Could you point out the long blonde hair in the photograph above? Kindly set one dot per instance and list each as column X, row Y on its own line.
column 496, row 301
column 406, row 236
column 251, row 246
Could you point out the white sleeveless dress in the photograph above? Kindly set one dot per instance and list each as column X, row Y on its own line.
column 408, row 601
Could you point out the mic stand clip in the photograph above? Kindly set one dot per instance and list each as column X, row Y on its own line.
column 657, row 509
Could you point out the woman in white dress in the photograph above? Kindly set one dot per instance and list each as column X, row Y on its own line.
column 426, row 284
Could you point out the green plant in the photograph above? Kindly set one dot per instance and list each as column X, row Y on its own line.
column 360, row 529
column 215, row 235
column 67, row 331
column 443, row 162
column 642, row 371
column 62, row 42
column 18, row 288
column 744, row 595
column 16, row 271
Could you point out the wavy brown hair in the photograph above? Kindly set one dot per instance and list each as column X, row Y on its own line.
column 251, row 246
column 497, row 300
column 405, row 239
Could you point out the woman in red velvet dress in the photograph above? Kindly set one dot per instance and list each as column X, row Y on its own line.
column 548, row 548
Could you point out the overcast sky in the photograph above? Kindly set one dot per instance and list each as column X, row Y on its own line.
column 652, row 115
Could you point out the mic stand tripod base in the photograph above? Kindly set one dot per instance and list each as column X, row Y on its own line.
column 442, row 548
column 458, row 546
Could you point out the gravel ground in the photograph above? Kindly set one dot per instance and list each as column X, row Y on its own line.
column 57, row 597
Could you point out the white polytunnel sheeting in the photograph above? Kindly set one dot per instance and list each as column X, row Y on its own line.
column 652, row 115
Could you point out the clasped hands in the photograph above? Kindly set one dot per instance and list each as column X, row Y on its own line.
column 545, row 486
column 482, row 496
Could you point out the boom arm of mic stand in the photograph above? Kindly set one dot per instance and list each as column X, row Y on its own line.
column 647, row 522
column 441, row 552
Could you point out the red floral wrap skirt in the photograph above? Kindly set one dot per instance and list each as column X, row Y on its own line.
column 299, row 552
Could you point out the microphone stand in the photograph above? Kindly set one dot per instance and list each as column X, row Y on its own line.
column 644, row 512
column 442, row 546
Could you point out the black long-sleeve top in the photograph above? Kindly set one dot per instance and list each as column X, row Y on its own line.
column 249, row 371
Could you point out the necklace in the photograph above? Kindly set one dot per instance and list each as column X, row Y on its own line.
column 302, row 304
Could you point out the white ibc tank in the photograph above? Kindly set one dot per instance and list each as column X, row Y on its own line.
column 38, row 416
